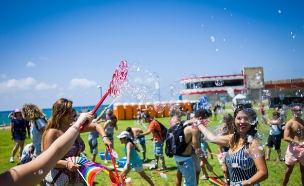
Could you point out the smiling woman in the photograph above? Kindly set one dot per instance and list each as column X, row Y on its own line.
column 245, row 159
column 60, row 121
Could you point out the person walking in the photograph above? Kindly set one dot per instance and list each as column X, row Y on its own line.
column 133, row 159
column 274, row 138
column 154, row 128
column 294, row 135
column 18, row 133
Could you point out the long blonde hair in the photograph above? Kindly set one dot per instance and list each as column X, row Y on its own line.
column 31, row 112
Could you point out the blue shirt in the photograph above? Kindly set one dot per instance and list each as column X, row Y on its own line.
column 134, row 157
column 19, row 125
column 37, row 135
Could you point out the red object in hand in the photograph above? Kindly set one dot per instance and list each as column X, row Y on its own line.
column 118, row 79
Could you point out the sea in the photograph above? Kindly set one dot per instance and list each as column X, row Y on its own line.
column 48, row 112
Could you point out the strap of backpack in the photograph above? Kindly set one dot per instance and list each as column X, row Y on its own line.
column 157, row 131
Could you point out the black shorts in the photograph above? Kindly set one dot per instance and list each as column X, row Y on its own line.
column 274, row 140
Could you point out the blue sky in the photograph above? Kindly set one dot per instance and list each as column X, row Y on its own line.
column 54, row 49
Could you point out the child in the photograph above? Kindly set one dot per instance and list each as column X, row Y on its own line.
column 133, row 159
column 109, row 127
column 93, row 142
column 205, row 147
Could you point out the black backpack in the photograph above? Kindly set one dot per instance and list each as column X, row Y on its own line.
column 163, row 133
column 175, row 139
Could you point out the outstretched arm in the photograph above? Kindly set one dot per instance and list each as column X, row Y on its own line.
column 33, row 172
column 219, row 140
column 101, row 131
column 101, row 114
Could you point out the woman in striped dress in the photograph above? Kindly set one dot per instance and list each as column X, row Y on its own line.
column 245, row 159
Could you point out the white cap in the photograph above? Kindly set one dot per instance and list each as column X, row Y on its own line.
column 124, row 134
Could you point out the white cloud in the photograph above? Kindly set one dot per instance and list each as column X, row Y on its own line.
column 3, row 76
column 30, row 64
column 42, row 86
column 81, row 83
column 14, row 84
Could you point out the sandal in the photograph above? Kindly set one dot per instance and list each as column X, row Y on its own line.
column 162, row 169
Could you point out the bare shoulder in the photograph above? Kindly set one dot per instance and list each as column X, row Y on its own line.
column 51, row 134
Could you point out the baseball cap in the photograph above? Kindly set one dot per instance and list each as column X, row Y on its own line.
column 124, row 134
column 17, row 110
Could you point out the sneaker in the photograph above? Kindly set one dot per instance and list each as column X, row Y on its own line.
column 205, row 177
column 12, row 159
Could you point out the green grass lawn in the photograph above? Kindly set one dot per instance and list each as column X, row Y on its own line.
column 276, row 169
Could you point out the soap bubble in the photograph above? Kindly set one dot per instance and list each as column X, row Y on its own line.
column 230, row 92
column 255, row 152
column 200, row 152
column 159, row 107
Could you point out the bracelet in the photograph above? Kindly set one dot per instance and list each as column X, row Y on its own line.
column 197, row 124
column 104, row 138
column 75, row 127
column 66, row 165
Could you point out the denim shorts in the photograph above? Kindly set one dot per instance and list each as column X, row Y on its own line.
column 187, row 169
column 93, row 145
column 142, row 140
column 19, row 135
column 158, row 148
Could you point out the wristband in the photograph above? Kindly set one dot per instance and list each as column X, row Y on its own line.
column 104, row 138
column 66, row 165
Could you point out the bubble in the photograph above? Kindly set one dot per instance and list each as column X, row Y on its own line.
column 200, row 152
column 212, row 38
column 260, row 136
column 279, row 11
column 266, row 93
column 219, row 82
column 40, row 171
column 299, row 93
column 255, row 152
column 230, row 92
column 175, row 110
column 159, row 107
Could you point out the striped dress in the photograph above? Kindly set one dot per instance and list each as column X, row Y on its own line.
column 241, row 167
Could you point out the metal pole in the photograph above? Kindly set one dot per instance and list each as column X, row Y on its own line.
column 100, row 88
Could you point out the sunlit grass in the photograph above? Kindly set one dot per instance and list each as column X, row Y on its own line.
column 276, row 169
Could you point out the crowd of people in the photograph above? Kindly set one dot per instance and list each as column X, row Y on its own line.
column 239, row 152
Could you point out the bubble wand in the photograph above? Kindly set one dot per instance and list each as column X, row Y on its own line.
column 118, row 78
